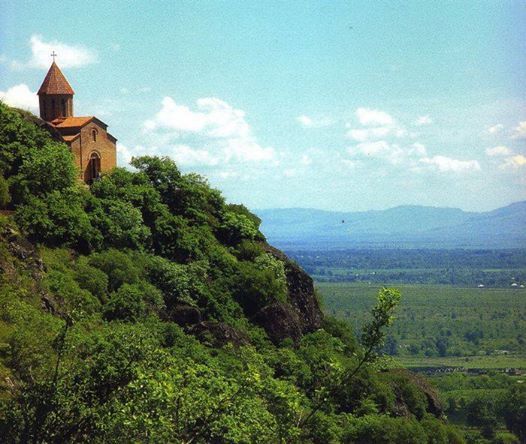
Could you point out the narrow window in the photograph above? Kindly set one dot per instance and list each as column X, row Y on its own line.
column 63, row 108
column 94, row 135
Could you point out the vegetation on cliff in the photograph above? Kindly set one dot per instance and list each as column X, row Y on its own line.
column 147, row 309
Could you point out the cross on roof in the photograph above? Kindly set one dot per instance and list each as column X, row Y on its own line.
column 53, row 54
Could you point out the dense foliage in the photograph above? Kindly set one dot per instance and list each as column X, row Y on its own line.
column 132, row 321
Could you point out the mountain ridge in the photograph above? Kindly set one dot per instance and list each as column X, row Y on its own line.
column 402, row 226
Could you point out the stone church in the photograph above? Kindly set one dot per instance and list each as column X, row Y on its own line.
column 94, row 148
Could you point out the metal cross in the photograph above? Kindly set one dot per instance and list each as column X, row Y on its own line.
column 53, row 54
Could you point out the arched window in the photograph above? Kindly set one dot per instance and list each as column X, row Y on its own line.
column 94, row 135
column 93, row 167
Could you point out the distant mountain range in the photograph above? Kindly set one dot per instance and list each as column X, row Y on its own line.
column 400, row 227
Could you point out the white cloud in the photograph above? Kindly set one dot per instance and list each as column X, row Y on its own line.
column 370, row 148
column 188, row 156
column 306, row 160
column 520, row 131
column 219, row 131
column 423, row 120
column 498, row 151
column 373, row 117
column 448, row 164
column 68, row 56
column 495, row 128
column 366, row 134
column 20, row 96
column 419, row 148
column 514, row 162
column 377, row 141
column 310, row 122
column 124, row 154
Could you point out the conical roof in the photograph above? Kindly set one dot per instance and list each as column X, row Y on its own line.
column 55, row 82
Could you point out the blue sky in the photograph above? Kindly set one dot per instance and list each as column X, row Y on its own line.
column 341, row 105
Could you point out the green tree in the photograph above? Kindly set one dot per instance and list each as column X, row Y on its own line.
column 514, row 410
column 126, row 304
column 43, row 171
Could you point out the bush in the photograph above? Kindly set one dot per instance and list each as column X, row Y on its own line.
column 58, row 219
column 91, row 279
column 120, row 223
column 5, row 197
column 43, row 171
column 236, row 227
column 126, row 304
column 117, row 265
column 384, row 429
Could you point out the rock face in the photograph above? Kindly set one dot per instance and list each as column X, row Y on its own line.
column 302, row 313
column 280, row 321
column 184, row 315
column 21, row 254
column 433, row 402
column 218, row 334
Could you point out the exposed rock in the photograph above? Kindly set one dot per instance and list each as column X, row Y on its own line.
column 301, row 295
column 434, row 405
column 280, row 321
column 218, row 334
column 185, row 315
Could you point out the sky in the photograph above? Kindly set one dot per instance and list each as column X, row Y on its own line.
column 336, row 105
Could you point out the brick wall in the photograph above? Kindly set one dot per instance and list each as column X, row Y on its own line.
column 85, row 145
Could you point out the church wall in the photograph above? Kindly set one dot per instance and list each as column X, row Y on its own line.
column 102, row 145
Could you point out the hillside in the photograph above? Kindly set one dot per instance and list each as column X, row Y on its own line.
column 400, row 227
column 147, row 309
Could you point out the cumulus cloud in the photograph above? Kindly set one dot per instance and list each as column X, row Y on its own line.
column 306, row 160
column 212, row 132
column 500, row 150
column 373, row 117
column 20, row 96
column 188, row 156
column 514, row 162
column 520, row 131
column 68, row 56
column 124, row 154
column 448, row 164
column 365, row 134
column 311, row 122
column 423, row 120
column 375, row 125
column 495, row 129
column 392, row 153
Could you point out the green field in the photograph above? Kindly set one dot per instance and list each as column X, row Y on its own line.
column 439, row 325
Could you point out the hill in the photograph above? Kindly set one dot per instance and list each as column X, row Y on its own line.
column 145, row 308
column 400, row 227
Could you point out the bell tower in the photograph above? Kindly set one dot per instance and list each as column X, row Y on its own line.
column 55, row 95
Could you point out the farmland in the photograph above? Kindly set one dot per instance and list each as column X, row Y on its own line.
column 469, row 341
column 442, row 325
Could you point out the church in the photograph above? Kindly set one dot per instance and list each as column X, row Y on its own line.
column 93, row 147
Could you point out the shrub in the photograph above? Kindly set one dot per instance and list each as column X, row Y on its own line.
column 126, row 304
column 117, row 265
column 5, row 197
